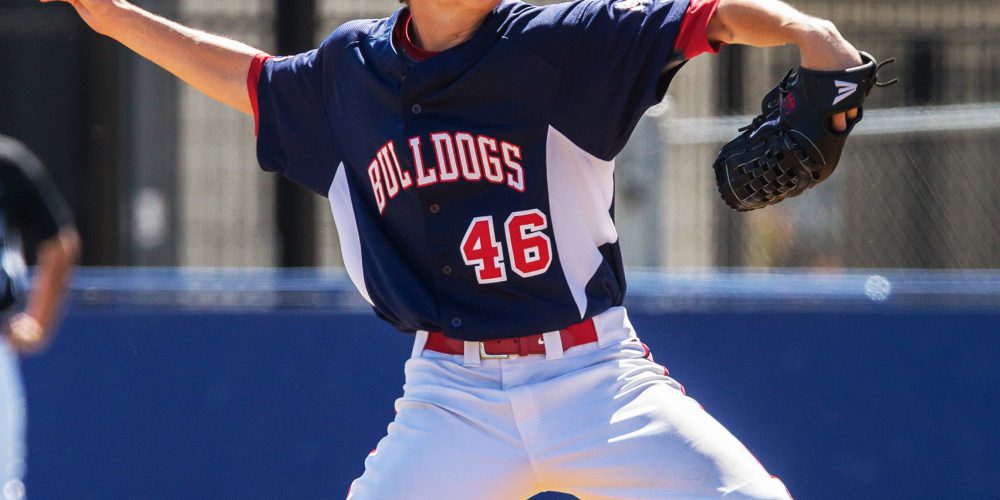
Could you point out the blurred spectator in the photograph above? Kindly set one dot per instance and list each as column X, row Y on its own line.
column 30, row 208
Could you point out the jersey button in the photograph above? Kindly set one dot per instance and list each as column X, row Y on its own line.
column 434, row 208
column 416, row 109
column 446, row 270
column 456, row 322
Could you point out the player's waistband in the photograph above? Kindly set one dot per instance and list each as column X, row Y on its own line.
column 609, row 326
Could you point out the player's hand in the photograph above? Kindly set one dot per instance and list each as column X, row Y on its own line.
column 25, row 335
column 96, row 13
column 824, row 49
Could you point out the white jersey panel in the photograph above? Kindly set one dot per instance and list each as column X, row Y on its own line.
column 347, row 230
column 581, row 191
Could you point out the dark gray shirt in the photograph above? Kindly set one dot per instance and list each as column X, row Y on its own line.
column 30, row 206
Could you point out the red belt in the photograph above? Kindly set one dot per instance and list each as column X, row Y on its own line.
column 581, row 333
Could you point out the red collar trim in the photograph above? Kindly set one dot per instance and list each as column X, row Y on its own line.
column 401, row 35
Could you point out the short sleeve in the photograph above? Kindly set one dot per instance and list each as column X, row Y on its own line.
column 692, row 39
column 621, row 64
column 35, row 208
column 294, row 135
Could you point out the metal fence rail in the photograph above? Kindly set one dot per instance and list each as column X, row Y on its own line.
column 877, row 122
column 650, row 291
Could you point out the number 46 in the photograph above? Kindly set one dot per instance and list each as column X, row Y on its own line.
column 529, row 247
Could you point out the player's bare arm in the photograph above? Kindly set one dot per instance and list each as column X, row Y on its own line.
column 215, row 65
column 32, row 330
column 769, row 23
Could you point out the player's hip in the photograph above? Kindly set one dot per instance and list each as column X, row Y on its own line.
column 610, row 356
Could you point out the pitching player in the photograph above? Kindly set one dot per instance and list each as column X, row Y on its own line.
column 467, row 150
column 29, row 206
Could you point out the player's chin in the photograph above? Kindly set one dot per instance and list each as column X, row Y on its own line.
column 484, row 5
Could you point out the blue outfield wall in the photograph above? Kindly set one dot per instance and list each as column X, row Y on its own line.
column 262, row 384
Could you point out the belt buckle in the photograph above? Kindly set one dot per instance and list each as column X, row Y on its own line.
column 484, row 355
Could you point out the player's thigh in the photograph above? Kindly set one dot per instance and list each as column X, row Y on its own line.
column 652, row 441
column 683, row 449
column 446, row 443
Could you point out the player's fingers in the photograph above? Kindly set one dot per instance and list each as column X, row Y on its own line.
column 839, row 122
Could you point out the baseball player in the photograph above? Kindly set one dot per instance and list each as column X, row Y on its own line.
column 29, row 206
column 467, row 150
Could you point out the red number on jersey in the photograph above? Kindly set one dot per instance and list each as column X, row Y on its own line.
column 481, row 249
column 530, row 248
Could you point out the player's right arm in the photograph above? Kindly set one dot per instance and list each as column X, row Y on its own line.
column 215, row 65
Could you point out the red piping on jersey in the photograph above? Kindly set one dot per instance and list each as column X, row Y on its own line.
column 401, row 37
column 253, row 77
column 692, row 39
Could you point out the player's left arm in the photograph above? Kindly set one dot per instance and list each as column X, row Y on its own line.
column 42, row 212
column 32, row 330
column 769, row 23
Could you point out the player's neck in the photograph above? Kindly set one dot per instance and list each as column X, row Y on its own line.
column 437, row 29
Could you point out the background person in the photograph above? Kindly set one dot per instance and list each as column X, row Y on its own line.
column 32, row 209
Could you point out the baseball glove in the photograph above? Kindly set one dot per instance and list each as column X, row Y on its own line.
column 791, row 147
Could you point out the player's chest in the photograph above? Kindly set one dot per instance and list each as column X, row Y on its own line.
column 502, row 87
column 481, row 129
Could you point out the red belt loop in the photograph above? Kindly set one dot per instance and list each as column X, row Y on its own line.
column 584, row 332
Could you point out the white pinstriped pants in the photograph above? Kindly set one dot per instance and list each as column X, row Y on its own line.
column 598, row 421
column 12, row 425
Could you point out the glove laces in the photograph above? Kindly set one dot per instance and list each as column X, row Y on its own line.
column 771, row 107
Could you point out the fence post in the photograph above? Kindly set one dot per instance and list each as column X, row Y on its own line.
column 295, row 28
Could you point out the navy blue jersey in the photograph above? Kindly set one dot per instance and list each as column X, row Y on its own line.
column 473, row 192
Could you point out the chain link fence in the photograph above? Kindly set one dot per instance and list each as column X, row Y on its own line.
column 916, row 187
column 226, row 205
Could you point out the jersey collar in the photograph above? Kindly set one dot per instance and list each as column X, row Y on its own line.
column 446, row 65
